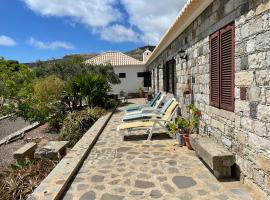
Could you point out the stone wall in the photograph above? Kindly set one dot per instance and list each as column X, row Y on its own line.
column 245, row 132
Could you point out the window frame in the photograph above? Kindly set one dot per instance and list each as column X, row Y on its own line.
column 218, row 34
column 140, row 74
column 120, row 75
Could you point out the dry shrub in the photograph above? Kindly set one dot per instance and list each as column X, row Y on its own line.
column 77, row 123
column 19, row 182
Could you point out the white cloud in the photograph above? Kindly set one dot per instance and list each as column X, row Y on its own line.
column 146, row 20
column 93, row 13
column 50, row 45
column 152, row 17
column 7, row 41
column 119, row 33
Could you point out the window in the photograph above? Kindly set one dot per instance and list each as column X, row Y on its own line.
column 222, row 68
column 147, row 79
column 158, row 78
column 169, row 76
column 122, row 75
column 140, row 74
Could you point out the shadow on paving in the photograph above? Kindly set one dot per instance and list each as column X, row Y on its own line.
column 159, row 136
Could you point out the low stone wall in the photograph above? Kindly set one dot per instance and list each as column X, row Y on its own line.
column 54, row 186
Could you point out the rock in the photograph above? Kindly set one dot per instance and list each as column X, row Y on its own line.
column 183, row 182
column 135, row 193
column 168, row 188
column 263, row 163
column 254, row 94
column 144, row 184
column 82, row 187
column 111, row 197
column 162, row 178
column 155, row 194
column 243, row 78
column 88, row 196
column 97, row 178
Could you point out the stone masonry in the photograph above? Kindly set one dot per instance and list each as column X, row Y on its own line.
column 246, row 131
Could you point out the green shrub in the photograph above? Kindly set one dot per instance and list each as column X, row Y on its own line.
column 77, row 123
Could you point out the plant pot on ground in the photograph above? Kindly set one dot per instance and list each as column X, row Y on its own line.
column 141, row 93
column 177, row 128
column 187, row 141
column 180, row 139
column 193, row 123
column 182, row 127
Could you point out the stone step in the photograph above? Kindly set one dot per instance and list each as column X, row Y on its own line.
column 53, row 150
column 27, row 151
column 217, row 157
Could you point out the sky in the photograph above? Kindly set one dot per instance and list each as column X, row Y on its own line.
column 32, row 30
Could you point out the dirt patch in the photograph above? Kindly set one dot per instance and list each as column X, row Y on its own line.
column 40, row 135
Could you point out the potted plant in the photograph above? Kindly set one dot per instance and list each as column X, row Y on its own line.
column 193, row 123
column 183, row 126
column 141, row 92
column 178, row 128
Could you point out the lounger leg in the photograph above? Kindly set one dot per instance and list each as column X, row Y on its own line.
column 150, row 134
column 151, row 130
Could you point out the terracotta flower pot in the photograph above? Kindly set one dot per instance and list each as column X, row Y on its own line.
column 187, row 141
column 141, row 94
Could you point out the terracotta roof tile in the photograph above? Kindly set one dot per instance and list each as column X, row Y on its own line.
column 114, row 58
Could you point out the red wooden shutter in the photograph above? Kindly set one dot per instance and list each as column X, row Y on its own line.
column 214, row 69
column 165, row 77
column 227, row 68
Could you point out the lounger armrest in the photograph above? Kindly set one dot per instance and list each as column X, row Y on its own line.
column 158, row 120
column 148, row 109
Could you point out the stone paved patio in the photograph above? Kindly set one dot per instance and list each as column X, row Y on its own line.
column 158, row 169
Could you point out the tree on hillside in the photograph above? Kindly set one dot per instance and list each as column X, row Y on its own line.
column 71, row 67
column 14, row 79
column 43, row 100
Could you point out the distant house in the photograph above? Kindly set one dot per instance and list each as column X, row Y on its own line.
column 219, row 50
column 130, row 71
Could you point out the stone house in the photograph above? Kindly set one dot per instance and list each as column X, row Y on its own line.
column 221, row 48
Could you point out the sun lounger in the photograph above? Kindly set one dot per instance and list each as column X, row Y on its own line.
column 146, row 114
column 151, row 103
column 153, row 123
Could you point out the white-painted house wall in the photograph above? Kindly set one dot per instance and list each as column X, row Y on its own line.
column 131, row 83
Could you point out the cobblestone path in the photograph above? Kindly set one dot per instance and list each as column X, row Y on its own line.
column 118, row 170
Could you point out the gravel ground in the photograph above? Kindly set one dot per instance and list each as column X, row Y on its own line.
column 39, row 135
column 8, row 126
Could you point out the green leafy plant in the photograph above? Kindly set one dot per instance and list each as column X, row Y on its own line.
column 14, row 77
column 20, row 164
column 181, row 125
column 194, row 117
column 77, row 123
column 42, row 101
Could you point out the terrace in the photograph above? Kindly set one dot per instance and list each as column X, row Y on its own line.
column 140, row 169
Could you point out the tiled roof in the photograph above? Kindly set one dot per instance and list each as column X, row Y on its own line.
column 114, row 58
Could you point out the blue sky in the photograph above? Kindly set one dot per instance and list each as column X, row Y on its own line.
column 43, row 29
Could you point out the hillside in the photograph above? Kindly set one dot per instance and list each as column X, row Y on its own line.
column 135, row 53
